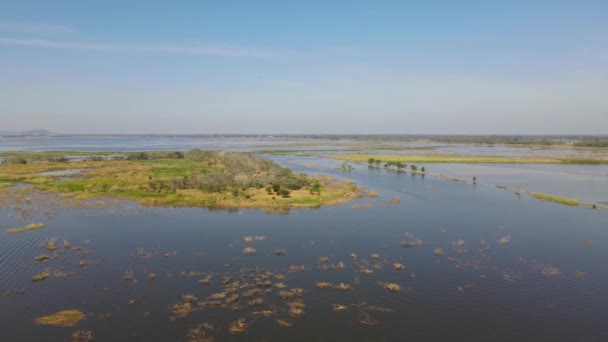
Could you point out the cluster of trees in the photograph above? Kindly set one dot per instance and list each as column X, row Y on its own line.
column 390, row 164
column 234, row 171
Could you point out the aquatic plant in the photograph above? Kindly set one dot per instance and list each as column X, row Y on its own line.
column 249, row 251
column 399, row 266
column 82, row 336
column 353, row 256
column 340, row 265
column 505, row 240
column 256, row 302
column 392, row 287
column 129, row 276
column 562, row 200
column 338, row 307
column 550, row 271
column 375, row 256
column 50, row 244
column 238, row 326
column 367, row 319
column 64, row 318
column 181, row 309
column 324, row 285
column 152, row 276
column 323, row 260
column 437, row 252
column 284, row 322
column 29, row 227
column 42, row 275
column 42, row 258
column 296, row 312
column 199, row 334
column 343, row 287
column 366, row 271
column 280, row 252
column 189, row 298
column 248, row 239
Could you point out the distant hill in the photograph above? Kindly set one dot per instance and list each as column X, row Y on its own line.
column 36, row 132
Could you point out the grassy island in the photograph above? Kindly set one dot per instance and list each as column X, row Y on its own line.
column 460, row 158
column 195, row 178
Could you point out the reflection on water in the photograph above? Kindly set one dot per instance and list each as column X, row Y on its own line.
column 448, row 261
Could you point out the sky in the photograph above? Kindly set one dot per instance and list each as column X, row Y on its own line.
column 304, row 67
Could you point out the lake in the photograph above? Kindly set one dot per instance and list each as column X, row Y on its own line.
column 544, row 281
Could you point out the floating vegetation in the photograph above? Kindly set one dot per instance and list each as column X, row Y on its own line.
column 505, row 240
column 50, row 244
column 296, row 312
column 353, row 256
column 263, row 313
column 562, row 200
column 42, row 275
column 288, row 294
column 189, row 298
column 129, row 276
column 280, row 252
column 42, row 258
column 64, row 318
column 366, row 271
column 259, row 238
column 181, row 309
column 323, row 260
column 280, row 285
column 580, row 274
column 293, row 268
column 248, row 239
column 437, row 252
column 232, row 299
column 375, row 256
column 399, row 266
column 392, row 287
column 199, row 334
column 340, row 265
column 323, row 285
column 412, row 243
column 367, row 319
column 210, row 303
column 249, row 251
column 286, row 323
column 219, row 295
column 338, row 307
column 457, row 243
column 206, row 280
column 238, row 326
column 82, row 336
column 392, row 201
column 550, row 271
column 256, row 302
column 343, row 287
column 31, row 226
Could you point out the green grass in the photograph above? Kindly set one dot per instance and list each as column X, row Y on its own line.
column 457, row 158
column 31, row 226
column 562, row 200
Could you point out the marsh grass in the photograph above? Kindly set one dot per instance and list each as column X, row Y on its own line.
column 64, row 318
column 461, row 158
column 29, row 227
column 45, row 273
column 562, row 200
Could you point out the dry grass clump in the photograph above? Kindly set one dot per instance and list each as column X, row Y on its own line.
column 248, row 239
column 505, row 240
column 392, row 287
column 82, row 336
column 323, row 260
column 353, row 256
column 294, row 268
column 238, row 326
column 296, row 312
column 412, row 243
column 263, row 313
column 340, row 265
column 288, row 294
column 323, row 285
column 366, row 271
column 437, row 252
column 181, row 309
column 286, row 323
column 256, row 302
column 343, row 287
column 42, row 275
column 280, row 252
column 367, row 319
column 249, row 251
column 232, row 299
column 206, row 280
column 550, row 271
column 64, row 318
column 31, row 226
column 338, row 307
column 199, row 334
column 189, row 298
column 375, row 256
column 580, row 274
column 42, row 258
column 259, row 238
column 280, row 286
column 129, row 276
column 399, row 266
column 50, row 244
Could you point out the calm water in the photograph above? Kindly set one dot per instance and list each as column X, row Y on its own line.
column 478, row 290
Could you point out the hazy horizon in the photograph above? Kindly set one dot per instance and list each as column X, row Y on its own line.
column 305, row 68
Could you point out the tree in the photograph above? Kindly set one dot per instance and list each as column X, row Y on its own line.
column 413, row 167
column 283, row 192
column 370, row 161
column 315, row 187
column 423, row 169
column 378, row 161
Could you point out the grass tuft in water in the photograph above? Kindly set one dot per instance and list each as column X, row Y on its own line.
column 64, row 318
column 31, row 226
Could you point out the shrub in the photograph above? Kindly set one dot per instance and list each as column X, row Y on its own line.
column 17, row 160
column 137, row 156
column 283, row 192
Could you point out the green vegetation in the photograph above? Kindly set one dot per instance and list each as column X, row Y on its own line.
column 195, row 178
column 566, row 201
column 458, row 158
column 31, row 226
column 65, row 318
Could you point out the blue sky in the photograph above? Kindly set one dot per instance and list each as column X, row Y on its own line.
column 455, row 67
